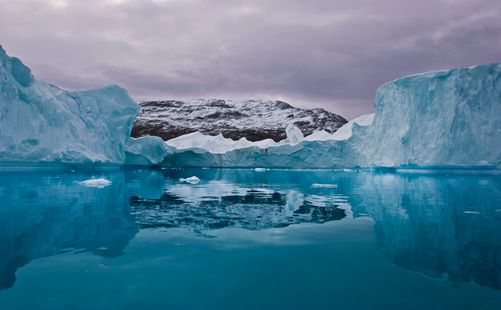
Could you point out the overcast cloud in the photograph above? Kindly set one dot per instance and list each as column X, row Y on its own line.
column 315, row 53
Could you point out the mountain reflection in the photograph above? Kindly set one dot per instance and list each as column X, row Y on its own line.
column 218, row 205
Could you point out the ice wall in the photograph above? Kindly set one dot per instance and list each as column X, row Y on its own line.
column 40, row 123
column 446, row 118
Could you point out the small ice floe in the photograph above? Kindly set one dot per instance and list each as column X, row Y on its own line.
column 99, row 183
column 320, row 185
column 471, row 212
column 190, row 180
column 498, row 210
column 259, row 169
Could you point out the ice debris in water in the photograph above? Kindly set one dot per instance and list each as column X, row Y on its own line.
column 471, row 212
column 99, row 183
column 320, row 185
column 190, row 180
column 259, row 169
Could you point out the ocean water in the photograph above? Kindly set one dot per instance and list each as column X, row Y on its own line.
column 245, row 239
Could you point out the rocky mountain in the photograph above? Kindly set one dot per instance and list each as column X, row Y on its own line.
column 253, row 119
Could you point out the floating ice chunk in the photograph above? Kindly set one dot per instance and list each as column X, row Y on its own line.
column 294, row 134
column 100, row 183
column 471, row 212
column 190, row 180
column 259, row 169
column 321, row 185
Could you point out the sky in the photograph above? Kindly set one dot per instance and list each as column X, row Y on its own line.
column 332, row 54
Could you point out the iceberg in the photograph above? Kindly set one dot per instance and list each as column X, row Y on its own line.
column 447, row 118
column 41, row 123
column 440, row 119
column 191, row 180
column 99, row 183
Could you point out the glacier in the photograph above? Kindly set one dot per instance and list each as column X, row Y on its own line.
column 41, row 123
column 440, row 119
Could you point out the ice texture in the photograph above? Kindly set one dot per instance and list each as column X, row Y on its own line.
column 146, row 150
column 40, row 123
column 440, row 119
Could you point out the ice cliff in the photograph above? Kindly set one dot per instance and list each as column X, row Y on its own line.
column 445, row 118
column 40, row 123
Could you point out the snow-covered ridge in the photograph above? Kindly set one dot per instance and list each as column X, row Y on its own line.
column 254, row 120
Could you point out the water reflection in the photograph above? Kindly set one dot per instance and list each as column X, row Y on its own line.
column 218, row 204
column 441, row 226
column 437, row 224
column 45, row 214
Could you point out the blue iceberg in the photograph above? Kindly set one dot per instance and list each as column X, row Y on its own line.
column 440, row 119
column 41, row 123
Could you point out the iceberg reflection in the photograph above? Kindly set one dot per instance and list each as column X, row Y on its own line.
column 441, row 225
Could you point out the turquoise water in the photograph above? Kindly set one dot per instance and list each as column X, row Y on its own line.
column 243, row 239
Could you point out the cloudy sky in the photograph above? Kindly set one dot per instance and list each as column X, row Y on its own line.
column 313, row 53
